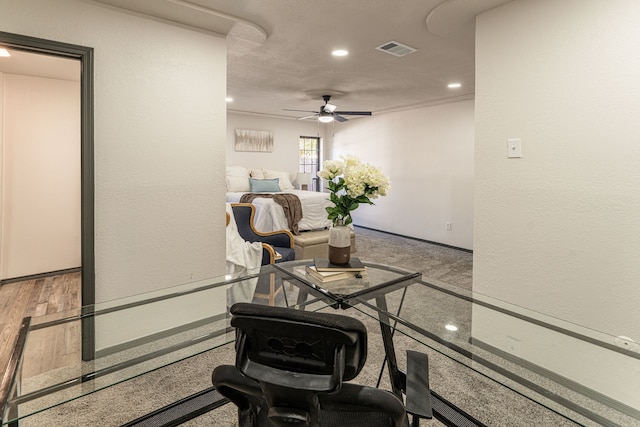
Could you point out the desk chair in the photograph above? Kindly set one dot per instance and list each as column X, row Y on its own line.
column 290, row 371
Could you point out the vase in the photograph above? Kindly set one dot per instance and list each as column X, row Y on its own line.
column 339, row 244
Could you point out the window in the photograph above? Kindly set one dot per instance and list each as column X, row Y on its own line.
column 310, row 158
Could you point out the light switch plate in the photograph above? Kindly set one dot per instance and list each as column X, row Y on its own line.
column 514, row 147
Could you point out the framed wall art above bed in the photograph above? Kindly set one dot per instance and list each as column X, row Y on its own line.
column 254, row 140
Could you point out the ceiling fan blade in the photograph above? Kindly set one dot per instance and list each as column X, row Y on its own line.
column 313, row 116
column 328, row 111
column 353, row 113
column 330, row 108
column 304, row 111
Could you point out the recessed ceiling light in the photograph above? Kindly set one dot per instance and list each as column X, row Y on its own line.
column 4, row 52
column 228, row 99
column 340, row 52
column 450, row 327
column 454, row 85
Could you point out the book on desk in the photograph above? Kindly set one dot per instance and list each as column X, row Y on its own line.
column 354, row 265
column 324, row 271
column 330, row 276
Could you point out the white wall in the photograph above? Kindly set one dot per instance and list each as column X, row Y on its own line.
column 40, row 215
column 160, row 121
column 558, row 231
column 610, row 373
column 428, row 155
column 286, row 135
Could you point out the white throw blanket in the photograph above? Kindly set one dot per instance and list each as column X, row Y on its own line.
column 243, row 258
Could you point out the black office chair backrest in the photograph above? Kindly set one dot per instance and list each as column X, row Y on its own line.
column 290, row 368
column 323, row 348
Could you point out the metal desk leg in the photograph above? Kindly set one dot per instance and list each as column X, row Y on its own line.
column 396, row 377
column 302, row 295
column 415, row 382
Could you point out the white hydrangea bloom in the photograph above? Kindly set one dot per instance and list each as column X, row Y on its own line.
column 364, row 179
column 361, row 181
column 350, row 161
column 331, row 169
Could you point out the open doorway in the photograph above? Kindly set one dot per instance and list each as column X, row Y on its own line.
column 40, row 209
column 84, row 55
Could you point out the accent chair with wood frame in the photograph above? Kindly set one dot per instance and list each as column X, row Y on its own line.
column 275, row 242
column 277, row 246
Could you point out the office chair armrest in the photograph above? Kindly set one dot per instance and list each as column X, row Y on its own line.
column 236, row 387
column 418, row 395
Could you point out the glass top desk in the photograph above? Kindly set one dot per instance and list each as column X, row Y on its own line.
column 499, row 354
column 378, row 278
column 51, row 364
column 585, row 376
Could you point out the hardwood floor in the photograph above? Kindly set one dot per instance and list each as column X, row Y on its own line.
column 39, row 297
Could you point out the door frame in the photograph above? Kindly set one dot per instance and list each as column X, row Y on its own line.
column 85, row 56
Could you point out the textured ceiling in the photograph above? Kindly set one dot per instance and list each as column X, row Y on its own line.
column 279, row 51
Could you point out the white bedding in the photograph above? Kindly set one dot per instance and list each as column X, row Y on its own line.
column 270, row 215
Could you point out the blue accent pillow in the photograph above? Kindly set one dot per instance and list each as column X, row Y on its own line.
column 264, row 185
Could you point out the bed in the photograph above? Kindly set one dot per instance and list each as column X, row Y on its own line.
column 269, row 214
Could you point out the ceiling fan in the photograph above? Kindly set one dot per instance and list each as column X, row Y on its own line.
column 328, row 112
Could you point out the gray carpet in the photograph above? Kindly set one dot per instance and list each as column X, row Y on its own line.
column 442, row 263
column 490, row 402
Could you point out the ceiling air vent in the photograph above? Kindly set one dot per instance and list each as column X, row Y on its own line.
column 396, row 49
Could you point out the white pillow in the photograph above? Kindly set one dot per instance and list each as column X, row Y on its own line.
column 237, row 178
column 237, row 183
column 257, row 173
column 238, row 171
column 285, row 180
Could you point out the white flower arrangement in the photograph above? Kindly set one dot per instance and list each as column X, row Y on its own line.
column 350, row 183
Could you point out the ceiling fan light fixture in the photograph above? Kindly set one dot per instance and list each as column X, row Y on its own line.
column 325, row 119
column 328, row 112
